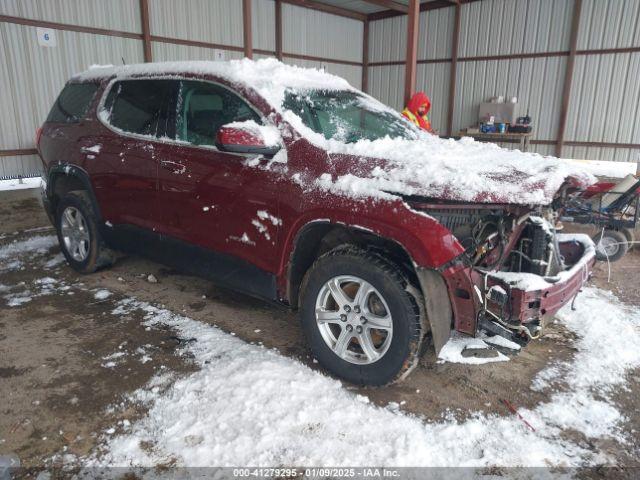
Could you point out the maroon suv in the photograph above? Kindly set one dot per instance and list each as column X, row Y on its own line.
column 290, row 185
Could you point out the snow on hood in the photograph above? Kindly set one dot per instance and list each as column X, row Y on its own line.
column 463, row 170
column 428, row 166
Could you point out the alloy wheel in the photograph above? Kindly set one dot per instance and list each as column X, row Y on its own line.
column 75, row 233
column 354, row 319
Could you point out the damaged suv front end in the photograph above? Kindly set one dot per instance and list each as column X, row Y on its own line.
column 515, row 273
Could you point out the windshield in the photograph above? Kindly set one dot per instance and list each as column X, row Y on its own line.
column 346, row 116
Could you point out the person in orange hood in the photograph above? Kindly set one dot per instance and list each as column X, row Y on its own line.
column 417, row 110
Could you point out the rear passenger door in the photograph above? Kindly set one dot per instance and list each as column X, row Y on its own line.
column 126, row 172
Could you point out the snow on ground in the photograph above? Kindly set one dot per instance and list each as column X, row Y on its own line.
column 248, row 405
column 458, row 343
column 37, row 245
column 251, row 406
column 20, row 185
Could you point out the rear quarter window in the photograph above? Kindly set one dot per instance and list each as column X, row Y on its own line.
column 73, row 103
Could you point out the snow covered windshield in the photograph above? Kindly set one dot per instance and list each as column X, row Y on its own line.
column 346, row 116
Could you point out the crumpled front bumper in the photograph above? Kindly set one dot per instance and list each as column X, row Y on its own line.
column 529, row 299
column 532, row 297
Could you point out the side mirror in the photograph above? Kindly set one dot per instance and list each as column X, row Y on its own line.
column 241, row 138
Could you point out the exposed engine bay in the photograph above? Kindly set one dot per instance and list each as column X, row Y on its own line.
column 512, row 259
column 499, row 239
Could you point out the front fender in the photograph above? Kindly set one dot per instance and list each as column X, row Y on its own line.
column 428, row 243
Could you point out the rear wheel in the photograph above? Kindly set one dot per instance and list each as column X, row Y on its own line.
column 611, row 245
column 361, row 317
column 78, row 234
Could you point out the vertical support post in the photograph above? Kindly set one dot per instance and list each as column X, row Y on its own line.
column 413, row 26
column 365, row 56
column 279, row 29
column 568, row 77
column 246, row 28
column 146, row 31
column 454, row 69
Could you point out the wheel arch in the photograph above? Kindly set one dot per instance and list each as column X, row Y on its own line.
column 66, row 178
column 318, row 237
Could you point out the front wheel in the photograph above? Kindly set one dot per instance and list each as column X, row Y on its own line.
column 361, row 317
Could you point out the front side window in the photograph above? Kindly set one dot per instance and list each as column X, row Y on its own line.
column 73, row 103
column 139, row 106
column 204, row 107
column 346, row 116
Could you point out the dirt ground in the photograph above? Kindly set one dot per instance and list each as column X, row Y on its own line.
column 57, row 395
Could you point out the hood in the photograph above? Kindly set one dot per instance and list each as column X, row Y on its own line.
column 417, row 100
column 459, row 171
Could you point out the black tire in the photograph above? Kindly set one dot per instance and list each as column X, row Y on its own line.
column 404, row 303
column 98, row 255
column 630, row 235
column 619, row 246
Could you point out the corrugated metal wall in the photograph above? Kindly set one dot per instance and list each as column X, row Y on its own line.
column 605, row 96
column 605, row 92
column 121, row 15
column 504, row 27
column 310, row 32
column 263, row 23
column 201, row 20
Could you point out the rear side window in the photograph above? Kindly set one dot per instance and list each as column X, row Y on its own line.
column 139, row 106
column 73, row 103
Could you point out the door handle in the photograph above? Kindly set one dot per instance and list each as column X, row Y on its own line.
column 173, row 167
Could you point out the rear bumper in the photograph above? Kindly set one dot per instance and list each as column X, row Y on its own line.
column 532, row 297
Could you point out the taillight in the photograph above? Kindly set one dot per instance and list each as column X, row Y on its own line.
column 38, row 135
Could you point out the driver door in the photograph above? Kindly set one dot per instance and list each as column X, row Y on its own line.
column 211, row 198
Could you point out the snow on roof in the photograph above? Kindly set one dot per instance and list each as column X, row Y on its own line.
column 269, row 77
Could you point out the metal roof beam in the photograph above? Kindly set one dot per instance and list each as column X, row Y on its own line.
column 324, row 7
column 390, row 5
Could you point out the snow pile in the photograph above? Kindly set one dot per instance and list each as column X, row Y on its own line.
column 608, row 338
column 102, row 294
column 458, row 343
column 251, row 406
column 463, row 170
column 17, row 184
column 9, row 252
column 604, row 168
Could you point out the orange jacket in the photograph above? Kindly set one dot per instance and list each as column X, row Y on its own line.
column 411, row 112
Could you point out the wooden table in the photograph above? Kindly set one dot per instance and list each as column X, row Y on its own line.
column 522, row 138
